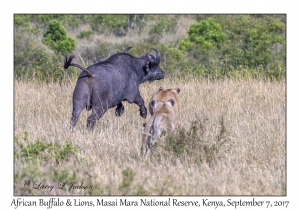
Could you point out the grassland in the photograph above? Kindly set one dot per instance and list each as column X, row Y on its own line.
column 251, row 162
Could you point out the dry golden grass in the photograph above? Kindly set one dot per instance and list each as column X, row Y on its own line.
column 254, row 113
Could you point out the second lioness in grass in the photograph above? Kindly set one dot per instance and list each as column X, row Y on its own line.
column 164, row 109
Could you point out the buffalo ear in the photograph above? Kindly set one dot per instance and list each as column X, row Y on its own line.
column 147, row 66
column 149, row 62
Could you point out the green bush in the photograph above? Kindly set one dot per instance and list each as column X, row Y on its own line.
column 85, row 34
column 255, row 40
column 164, row 24
column 21, row 20
column 41, row 151
column 192, row 144
column 252, row 43
column 204, row 34
column 216, row 46
column 172, row 60
column 56, row 38
column 34, row 62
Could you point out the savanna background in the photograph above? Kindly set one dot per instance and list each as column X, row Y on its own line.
column 231, row 138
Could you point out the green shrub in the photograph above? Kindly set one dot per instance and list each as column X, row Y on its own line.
column 192, row 144
column 217, row 46
column 85, row 34
column 172, row 60
column 204, row 34
column 34, row 62
column 21, row 20
column 42, row 151
column 257, row 40
column 56, row 38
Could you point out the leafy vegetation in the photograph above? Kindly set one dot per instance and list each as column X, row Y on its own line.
column 193, row 144
column 213, row 46
column 205, row 34
column 237, row 45
column 33, row 61
column 42, row 151
column 86, row 34
column 56, row 38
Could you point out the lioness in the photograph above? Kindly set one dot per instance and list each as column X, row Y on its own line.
column 164, row 107
column 164, row 95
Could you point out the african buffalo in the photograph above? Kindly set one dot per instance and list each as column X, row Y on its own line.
column 106, row 84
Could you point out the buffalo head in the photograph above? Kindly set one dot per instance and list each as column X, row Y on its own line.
column 152, row 69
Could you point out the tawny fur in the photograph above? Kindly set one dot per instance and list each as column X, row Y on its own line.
column 164, row 110
column 165, row 95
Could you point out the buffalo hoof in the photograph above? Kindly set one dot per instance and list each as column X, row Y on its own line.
column 89, row 107
column 119, row 110
column 143, row 113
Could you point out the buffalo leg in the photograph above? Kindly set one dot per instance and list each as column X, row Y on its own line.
column 81, row 99
column 77, row 108
column 97, row 113
column 119, row 109
column 143, row 110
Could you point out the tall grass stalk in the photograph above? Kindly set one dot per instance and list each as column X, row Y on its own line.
column 253, row 112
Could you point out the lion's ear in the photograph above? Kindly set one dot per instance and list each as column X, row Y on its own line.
column 160, row 89
column 175, row 90
column 152, row 103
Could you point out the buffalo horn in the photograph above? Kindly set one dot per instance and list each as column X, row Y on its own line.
column 157, row 59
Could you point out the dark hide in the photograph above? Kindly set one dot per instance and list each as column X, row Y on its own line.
column 106, row 84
